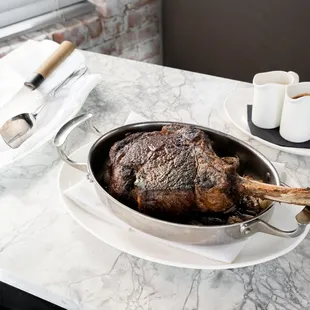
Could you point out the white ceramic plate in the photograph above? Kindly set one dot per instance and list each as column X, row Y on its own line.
column 236, row 109
column 260, row 249
column 58, row 110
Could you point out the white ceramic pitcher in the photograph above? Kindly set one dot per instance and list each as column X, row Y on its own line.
column 269, row 91
column 295, row 122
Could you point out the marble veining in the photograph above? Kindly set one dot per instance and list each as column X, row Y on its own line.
column 42, row 245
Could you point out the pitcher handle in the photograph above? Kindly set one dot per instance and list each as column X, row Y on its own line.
column 295, row 77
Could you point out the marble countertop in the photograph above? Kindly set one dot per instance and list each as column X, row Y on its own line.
column 44, row 251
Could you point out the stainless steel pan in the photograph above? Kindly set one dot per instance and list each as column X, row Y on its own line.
column 251, row 162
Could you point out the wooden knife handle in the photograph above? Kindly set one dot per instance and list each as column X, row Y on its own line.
column 62, row 52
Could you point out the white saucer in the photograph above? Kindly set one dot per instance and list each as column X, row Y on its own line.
column 236, row 109
column 261, row 248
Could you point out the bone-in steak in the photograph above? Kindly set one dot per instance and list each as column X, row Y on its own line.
column 172, row 171
column 176, row 172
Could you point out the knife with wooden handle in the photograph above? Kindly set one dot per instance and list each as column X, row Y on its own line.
column 62, row 52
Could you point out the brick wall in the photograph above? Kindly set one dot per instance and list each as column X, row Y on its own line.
column 125, row 28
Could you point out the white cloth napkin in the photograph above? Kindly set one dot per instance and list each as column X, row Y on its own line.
column 24, row 60
column 84, row 195
column 15, row 69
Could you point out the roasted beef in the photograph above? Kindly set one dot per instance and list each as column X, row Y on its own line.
column 172, row 171
column 175, row 171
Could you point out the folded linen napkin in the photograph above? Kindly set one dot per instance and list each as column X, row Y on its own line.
column 15, row 69
column 84, row 195
column 24, row 60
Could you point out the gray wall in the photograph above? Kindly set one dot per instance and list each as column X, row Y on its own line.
column 237, row 38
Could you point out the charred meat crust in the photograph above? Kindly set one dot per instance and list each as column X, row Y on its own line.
column 172, row 172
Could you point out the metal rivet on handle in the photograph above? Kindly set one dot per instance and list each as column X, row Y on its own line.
column 247, row 231
column 89, row 178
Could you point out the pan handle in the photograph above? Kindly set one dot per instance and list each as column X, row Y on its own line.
column 62, row 136
column 303, row 219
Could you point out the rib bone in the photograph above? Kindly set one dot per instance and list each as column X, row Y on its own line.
column 297, row 196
